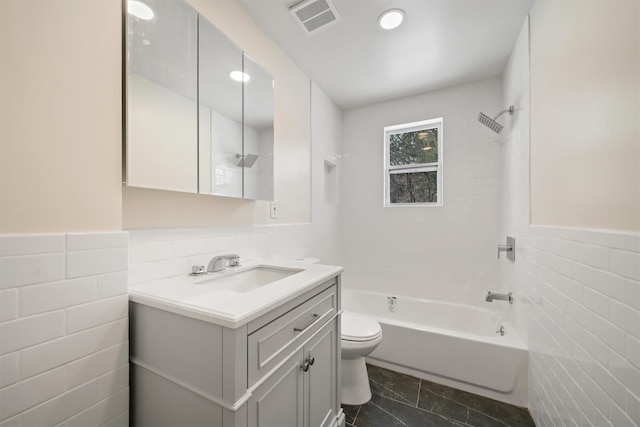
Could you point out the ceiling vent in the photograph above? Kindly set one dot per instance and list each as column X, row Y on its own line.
column 314, row 14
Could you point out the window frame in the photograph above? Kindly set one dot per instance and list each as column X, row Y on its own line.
column 438, row 124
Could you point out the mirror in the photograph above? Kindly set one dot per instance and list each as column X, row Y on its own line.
column 190, row 126
column 220, row 124
column 258, row 132
column 161, row 93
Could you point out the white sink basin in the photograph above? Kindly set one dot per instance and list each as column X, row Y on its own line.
column 247, row 280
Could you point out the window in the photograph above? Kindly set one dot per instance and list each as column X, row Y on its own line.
column 413, row 164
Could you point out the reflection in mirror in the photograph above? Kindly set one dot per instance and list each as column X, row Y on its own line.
column 220, row 123
column 258, row 132
column 199, row 113
column 161, row 95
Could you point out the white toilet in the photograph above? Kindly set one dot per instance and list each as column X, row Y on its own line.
column 360, row 336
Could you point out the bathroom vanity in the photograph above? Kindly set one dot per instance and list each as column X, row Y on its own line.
column 253, row 345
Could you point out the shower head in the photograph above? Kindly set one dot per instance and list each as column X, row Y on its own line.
column 491, row 122
column 247, row 160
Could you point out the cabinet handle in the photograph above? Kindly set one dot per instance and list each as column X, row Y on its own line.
column 305, row 365
column 311, row 360
column 302, row 328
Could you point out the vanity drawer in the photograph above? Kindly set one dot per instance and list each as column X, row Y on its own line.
column 273, row 342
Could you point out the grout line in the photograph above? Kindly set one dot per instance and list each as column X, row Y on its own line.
column 384, row 410
column 451, row 399
column 469, row 409
column 356, row 416
column 423, row 409
column 430, row 410
column 452, row 420
column 406, row 401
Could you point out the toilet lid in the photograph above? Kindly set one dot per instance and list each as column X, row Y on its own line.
column 359, row 328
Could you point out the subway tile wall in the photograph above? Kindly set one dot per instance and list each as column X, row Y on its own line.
column 160, row 253
column 64, row 346
column 581, row 293
column 436, row 252
column 577, row 293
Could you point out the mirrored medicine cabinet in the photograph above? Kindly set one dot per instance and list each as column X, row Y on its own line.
column 199, row 111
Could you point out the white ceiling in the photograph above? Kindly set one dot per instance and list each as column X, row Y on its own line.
column 442, row 43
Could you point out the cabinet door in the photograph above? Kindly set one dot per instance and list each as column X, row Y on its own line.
column 220, row 105
column 278, row 402
column 321, row 379
column 161, row 88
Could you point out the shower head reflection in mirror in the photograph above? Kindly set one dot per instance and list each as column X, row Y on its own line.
column 247, row 160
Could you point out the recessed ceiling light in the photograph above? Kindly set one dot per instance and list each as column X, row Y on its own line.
column 239, row 76
column 139, row 10
column 391, row 19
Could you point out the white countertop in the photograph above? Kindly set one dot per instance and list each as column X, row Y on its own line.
column 186, row 295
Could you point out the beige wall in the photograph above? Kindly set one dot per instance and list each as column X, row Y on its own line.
column 60, row 115
column 585, row 97
column 153, row 208
column 60, row 124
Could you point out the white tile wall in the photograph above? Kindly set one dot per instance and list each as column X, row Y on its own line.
column 64, row 329
column 250, row 242
column 577, row 294
column 584, row 342
column 448, row 252
column 160, row 253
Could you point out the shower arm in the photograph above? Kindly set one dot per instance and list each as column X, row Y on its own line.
column 508, row 110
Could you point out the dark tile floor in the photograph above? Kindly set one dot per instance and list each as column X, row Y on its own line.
column 403, row 400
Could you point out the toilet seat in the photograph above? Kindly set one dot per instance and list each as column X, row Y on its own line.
column 357, row 328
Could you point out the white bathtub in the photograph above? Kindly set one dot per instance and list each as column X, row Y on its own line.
column 452, row 344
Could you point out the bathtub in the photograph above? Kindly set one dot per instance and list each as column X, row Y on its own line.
column 451, row 344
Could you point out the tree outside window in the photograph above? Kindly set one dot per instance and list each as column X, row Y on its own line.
column 413, row 163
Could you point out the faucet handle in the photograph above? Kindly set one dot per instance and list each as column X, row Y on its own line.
column 197, row 270
column 234, row 261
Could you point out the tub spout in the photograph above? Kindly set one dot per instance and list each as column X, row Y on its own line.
column 502, row 297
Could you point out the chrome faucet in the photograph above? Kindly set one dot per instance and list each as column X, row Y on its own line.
column 502, row 297
column 220, row 262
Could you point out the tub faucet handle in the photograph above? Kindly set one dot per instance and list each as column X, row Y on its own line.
column 504, row 248
column 509, row 249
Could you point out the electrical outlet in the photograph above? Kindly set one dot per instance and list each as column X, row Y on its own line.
column 273, row 212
